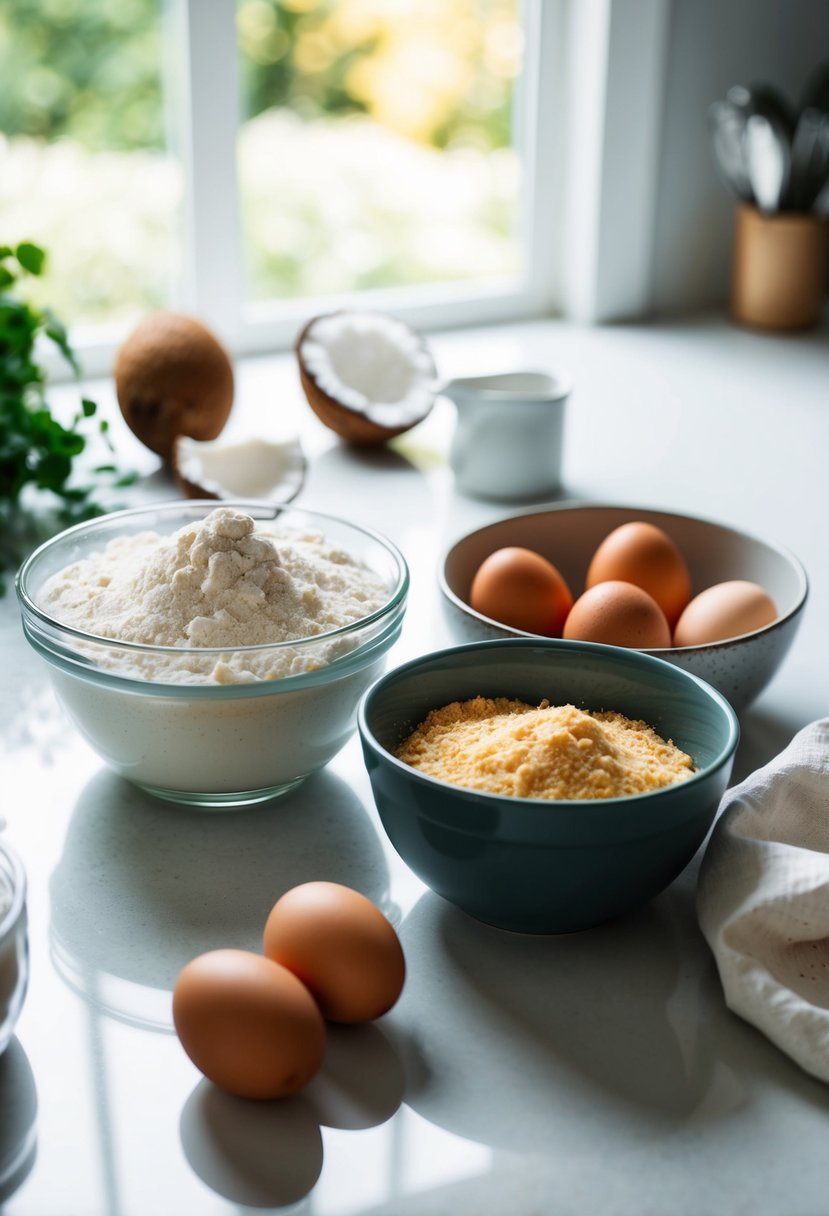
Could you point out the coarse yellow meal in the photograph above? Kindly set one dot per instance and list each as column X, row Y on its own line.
column 547, row 751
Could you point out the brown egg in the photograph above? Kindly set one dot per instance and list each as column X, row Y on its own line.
column 248, row 1024
column 520, row 588
column 618, row 614
column 342, row 948
column 725, row 610
column 643, row 554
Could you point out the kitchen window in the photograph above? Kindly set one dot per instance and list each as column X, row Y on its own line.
column 85, row 164
column 257, row 161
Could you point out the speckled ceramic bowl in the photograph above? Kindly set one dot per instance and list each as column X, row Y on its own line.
column 568, row 535
column 533, row 865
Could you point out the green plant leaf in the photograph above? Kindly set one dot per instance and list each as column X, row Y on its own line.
column 55, row 329
column 31, row 257
column 36, row 449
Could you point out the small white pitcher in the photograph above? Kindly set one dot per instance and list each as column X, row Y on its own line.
column 508, row 438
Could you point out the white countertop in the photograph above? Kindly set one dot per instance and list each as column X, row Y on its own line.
column 594, row 1073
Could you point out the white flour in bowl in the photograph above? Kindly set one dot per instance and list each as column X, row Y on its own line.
column 216, row 583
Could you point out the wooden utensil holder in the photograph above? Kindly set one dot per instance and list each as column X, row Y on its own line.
column 779, row 269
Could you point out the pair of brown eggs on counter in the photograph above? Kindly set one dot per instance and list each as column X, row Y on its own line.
column 254, row 1024
column 637, row 593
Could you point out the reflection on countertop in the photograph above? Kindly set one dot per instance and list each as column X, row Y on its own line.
column 627, row 1018
column 258, row 1154
column 595, row 1073
column 18, row 1119
column 169, row 883
column 270, row 1154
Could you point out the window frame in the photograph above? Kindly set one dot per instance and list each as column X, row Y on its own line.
column 595, row 71
column 201, row 81
column 535, row 290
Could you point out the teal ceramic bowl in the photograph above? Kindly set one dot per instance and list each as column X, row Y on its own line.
column 532, row 865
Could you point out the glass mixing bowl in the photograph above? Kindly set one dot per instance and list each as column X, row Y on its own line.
column 213, row 744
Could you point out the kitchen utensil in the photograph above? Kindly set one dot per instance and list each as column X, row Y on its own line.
column 765, row 100
column 768, row 160
column 806, row 146
column 727, row 124
column 810, row 159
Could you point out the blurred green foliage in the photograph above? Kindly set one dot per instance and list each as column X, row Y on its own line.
column 405, row 104
column 36, row 449
column 268, row 36
column 438, row 71
column 92, row 69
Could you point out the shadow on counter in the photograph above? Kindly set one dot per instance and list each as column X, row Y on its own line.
column 527, row 1038
column 270, row 1154
column 170, row 883
column 389, row 478
column 762, row 737
column 18, row 1119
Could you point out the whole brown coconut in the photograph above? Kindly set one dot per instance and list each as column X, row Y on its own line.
column 173, row 377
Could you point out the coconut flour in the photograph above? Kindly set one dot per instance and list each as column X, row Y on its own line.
column 220, row 583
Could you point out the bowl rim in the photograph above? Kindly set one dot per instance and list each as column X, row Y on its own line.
column 487, row 393
column 576, row 504
column 568, row 805
column 259, row 510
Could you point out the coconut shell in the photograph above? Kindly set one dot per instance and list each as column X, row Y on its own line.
column 191, row 490
column 351, row 425
column 173, row 377
column 196, row 478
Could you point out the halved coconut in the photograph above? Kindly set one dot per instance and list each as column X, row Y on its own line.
column 250, row 468
column 367, row 376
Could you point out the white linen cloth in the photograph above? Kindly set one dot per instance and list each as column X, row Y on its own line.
column 763, row 898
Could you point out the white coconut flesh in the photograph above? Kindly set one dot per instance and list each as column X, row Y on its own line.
column 372, row 364
column 250, row 468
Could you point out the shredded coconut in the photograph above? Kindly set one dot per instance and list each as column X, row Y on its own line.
column 508, row 747
column 217, row 583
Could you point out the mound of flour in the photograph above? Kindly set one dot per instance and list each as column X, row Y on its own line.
column 218, row 583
